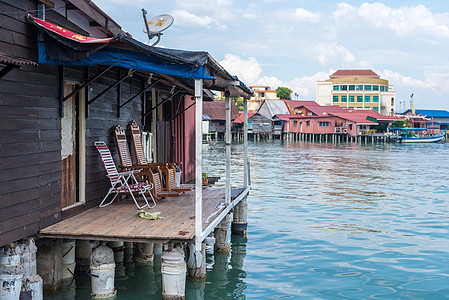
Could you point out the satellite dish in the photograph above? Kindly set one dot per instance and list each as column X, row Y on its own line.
column 156, row 25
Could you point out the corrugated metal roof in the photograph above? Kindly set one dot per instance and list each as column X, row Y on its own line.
column 11, row 59
column 346, row 73
column 275, row 107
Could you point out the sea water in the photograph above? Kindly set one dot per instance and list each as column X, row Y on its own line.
column 325, row 221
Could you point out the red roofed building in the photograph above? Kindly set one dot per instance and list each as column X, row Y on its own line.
column 346, row 73
column 216, row 111
column 311, row 118
column 357, row 89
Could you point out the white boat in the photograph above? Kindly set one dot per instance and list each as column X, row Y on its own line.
column 415, row 135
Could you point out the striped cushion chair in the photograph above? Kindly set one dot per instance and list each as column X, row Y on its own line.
column 123, row 183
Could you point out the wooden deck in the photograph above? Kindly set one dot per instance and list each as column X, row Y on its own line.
column 120, row 221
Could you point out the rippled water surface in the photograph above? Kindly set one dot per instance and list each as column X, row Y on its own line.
column 328, row 221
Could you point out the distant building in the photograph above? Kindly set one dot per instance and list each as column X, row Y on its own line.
column 357, row 89
column 430, row 118
column 216, row 112
column 311, row 118
column 270, row 108
column 261, row 93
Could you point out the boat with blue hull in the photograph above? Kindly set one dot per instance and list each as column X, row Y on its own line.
column 415, row 135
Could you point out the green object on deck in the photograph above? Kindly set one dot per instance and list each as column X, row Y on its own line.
column 150, row 216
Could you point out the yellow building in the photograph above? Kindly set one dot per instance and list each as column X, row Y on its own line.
column 357, row 89
column 261, row 93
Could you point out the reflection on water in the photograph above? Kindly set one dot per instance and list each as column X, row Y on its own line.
column 325, row 221
column 345, row 221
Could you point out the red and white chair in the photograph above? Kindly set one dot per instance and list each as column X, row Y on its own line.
column 123, row 183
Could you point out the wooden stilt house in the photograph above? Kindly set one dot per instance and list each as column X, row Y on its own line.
column 68, row 75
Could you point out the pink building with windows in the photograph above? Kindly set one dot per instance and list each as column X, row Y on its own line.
column 309, row 117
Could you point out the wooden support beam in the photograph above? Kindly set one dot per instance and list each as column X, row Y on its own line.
column 7, row 69
column 140, row 93
column 87, row 82
column 162, row 102
column 129, row 74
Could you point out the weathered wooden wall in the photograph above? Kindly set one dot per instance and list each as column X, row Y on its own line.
column 30, row 165
column 30, row 130
column 261, row 124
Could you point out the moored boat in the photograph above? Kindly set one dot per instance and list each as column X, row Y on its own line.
column 415, row 135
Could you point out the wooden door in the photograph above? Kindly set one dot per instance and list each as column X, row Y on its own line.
column 73, row 149
column 68, row 150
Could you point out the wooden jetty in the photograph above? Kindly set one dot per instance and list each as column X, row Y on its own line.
column 121, row 222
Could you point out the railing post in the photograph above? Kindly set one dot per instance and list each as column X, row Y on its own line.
column 245, row 143
column 198, row 163
column 228, row 149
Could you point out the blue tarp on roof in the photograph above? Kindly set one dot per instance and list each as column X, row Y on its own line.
column 63, row 47
column 436, row 113
column 121, row 51
column 129, row 59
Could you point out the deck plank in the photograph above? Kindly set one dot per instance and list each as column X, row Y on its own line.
column 120, row 220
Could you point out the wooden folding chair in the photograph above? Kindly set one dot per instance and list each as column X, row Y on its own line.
column 149, row 172
column 123, row 183
column 168, row 169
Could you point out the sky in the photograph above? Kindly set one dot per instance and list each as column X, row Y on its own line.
column 296, row 43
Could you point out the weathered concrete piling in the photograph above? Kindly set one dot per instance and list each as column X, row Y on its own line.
column 102, row 271
column 68, row 258
column 240, row 220
column 83, row 251
column 49, row 263
column 18, row 271
column 119, row 257
column 220, row 234
column 173, row 273
column 11, row 273
column 144, row 253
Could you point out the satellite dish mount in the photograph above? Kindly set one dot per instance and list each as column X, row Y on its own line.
column 156, row 25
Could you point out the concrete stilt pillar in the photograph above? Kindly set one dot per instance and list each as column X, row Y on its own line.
column 102, row 270
column 220, row 234
column 240, row 220
column 49, row 263
column 119, row 257
column 68, row 258
column 144, row 253
column 18, row 271
column 196, row 262
column 128, row 260
column 83, row 251
column 157, row 249
column 129, row 253
column 31, row 281
column 173, row 274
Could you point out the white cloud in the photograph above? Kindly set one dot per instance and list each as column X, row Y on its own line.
column 404, row 21
column 303, row 15
column 332, row 53
column 214, row 12
column 185, row 18
column 247, row 71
